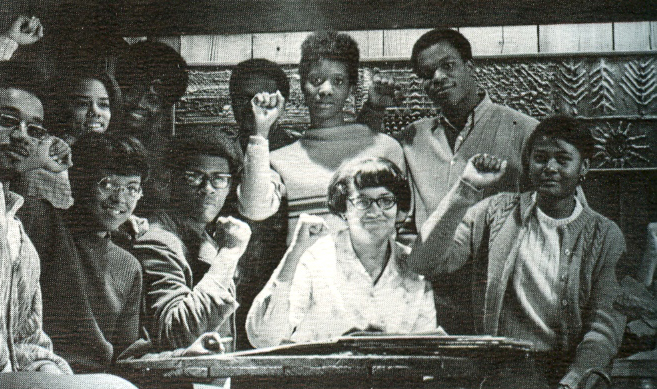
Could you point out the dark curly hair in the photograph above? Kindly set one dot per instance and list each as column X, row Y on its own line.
column 204, row 140
column 145, row 62
column 329, row 45
column 258, row 66
column 452, row 37
column 96, row 154
column 565, row 128
column 367, row 172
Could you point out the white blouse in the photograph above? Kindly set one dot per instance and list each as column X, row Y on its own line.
column 332, row 293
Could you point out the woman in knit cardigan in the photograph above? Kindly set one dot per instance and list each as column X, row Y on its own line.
column 537, row 266
column 329, row 75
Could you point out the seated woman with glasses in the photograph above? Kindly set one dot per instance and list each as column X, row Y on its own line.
column 332, row 282
column 91, row 287
column 190, row 252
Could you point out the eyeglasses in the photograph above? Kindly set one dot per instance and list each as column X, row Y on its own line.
column 217, row 180
column 12, row 122
column 107, row 187
column 364, row 203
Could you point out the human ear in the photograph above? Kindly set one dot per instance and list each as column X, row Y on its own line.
column 584, row 168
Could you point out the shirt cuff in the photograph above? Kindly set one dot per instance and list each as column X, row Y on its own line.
column 259, row 140
column 7, row 48
column 571, row 380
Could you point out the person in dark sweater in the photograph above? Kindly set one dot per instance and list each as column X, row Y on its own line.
column 190, row 251
column 92, row 287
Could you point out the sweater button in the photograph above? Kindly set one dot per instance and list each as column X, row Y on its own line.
column 567, row 252
column 564, row 302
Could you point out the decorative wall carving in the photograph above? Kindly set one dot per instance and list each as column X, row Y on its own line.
column 617, row 94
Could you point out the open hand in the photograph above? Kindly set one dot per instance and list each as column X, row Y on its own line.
column 267, row 108
column 383, row 92
column 309, row 229
column 484, row 170
column 25, row 30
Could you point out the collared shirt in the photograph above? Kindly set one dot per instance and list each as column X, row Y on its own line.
column 332, row 293
column 434, row 167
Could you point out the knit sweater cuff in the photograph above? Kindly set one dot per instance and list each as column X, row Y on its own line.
column 7, row 48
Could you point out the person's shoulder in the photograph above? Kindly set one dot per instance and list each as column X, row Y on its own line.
column 424, row 125
column 287, row 149
column 605, row 225
column 282, row 157
column 499, row 205
column 516, row 117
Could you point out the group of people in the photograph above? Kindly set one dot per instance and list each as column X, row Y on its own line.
column 123, row 238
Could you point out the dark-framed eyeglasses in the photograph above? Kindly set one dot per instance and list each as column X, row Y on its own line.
column 107, row 186
column 217, row 180
column 12, row 122
column 363, row 202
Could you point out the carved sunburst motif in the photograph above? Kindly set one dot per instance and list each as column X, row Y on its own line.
column 616, row 148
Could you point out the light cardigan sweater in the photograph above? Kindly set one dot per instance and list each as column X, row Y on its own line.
column 487, row 237
column 307, row 165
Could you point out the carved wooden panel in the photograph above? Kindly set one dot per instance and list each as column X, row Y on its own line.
column 616, row 94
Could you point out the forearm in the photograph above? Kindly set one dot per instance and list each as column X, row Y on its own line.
column 439, row 235
column 189, row 313
column 268, row 320
column 7, row 47
column 371, row 116
column 260, row 191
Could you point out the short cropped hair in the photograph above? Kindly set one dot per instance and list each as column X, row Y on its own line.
column 452, row 37
column 204, row 140
column 24, row 77
column 364, row 173
column 145, row 62
column 258, row 66
column 565, row 128
column 329, row 45
column 93, row 152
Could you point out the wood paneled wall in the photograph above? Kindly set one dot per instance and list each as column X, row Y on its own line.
column 396, row 45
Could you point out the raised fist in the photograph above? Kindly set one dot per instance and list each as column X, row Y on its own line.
column 484, row 170
column 267, row 108
column 25, row 30
column 308, row 230
column 383, row 92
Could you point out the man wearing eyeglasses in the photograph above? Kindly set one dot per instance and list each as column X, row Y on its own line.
column 24, row 346
column 190, row 252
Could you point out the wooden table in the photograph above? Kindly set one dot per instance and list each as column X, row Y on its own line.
column 367, row 362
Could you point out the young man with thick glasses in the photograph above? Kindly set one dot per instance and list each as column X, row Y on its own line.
column 190, row 252
column 92, row 287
